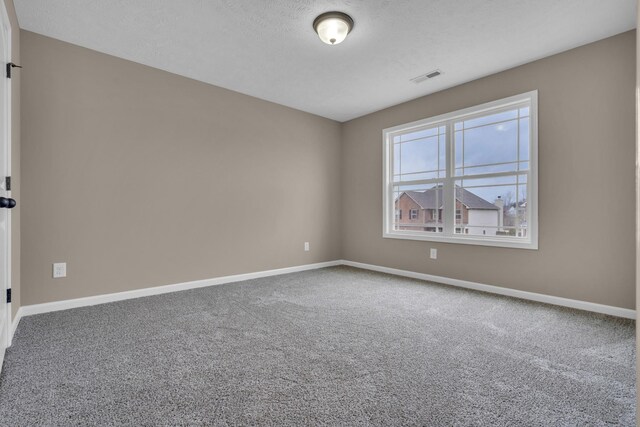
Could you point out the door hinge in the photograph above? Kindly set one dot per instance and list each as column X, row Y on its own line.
column 8, row 295
column 11, row 65
column 7, row 183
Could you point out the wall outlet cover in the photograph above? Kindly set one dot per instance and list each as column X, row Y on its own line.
column 59, row 270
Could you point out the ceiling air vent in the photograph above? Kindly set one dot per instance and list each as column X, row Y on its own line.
column 427, row 76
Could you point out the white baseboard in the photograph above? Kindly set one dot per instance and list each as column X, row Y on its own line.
column 548, row 299
column 29, row 310
column 14, row 324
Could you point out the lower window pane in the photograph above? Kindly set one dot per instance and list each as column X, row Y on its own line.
column 418, row 208
column 491, row 209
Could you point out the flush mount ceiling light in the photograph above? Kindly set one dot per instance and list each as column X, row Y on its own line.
column 333, row 27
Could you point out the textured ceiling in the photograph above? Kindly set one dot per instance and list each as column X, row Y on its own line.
column 267, row 48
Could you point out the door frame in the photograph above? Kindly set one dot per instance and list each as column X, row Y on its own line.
column 5, row 145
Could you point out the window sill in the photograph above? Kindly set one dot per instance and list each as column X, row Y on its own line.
column 465, row 240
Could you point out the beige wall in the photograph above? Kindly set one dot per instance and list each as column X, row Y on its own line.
column 586, row 209
column 15, row 158
column 136, row 177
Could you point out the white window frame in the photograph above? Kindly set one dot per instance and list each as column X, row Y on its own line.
column 411, row 216
column 531, row 242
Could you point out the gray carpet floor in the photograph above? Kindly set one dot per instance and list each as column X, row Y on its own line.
column 337, row 346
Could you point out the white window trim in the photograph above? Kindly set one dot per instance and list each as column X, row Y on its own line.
column 532, row 205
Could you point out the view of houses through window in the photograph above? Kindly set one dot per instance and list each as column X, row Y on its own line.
column 474, row 215
column 463, row 175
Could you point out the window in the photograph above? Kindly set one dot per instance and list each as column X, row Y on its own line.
column 398, row 214
column 473, row 170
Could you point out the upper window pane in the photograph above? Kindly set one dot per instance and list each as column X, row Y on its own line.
column 490, row 118
column 494, row 143
column 524, row 140
column 419, row 155
column 424, row 133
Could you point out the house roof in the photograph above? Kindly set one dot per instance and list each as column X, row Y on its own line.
column 427, row 199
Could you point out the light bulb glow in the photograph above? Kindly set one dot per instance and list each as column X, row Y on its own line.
column 332, row 30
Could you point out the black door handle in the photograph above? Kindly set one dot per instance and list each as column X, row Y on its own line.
column 7, row 203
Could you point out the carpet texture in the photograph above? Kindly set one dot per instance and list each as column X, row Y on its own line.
column 337, row 346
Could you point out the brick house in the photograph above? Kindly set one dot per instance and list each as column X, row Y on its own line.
column 422, row 211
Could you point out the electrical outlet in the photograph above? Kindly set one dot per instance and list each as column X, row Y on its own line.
column 433, row 254
column 59, row 270
column 306, row 246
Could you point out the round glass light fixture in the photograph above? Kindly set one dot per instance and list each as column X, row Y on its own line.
column 333, row 27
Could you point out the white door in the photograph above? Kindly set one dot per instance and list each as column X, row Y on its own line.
column 5, row 153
